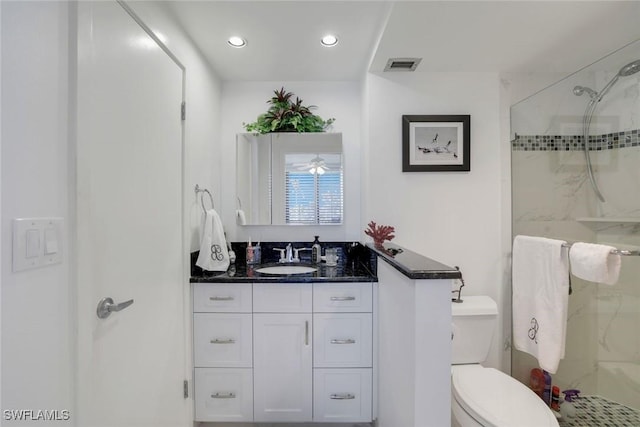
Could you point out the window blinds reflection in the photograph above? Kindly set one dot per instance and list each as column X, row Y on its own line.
column 313, row 188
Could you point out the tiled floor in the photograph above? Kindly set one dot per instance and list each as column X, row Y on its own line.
column 596, row 411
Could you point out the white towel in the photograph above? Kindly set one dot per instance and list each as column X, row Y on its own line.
column 594, row 262
column 540, row 299
column 214, row 255
column 241, row 218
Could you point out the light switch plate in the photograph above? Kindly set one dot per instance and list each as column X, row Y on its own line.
column 33, row 243
column 37, row 242
column 52, row 241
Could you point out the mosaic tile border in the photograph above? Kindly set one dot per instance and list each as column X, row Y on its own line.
column 597, row 411
column 609, row 141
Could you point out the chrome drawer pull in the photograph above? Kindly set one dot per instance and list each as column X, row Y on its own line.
column 347, row 341
column 223, row 396
column 343, row 298
column 227, row 341
column 342, row 396
column 221, row 298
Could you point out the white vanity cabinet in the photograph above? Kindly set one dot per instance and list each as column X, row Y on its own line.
column 343, row 352
column 283, row 325
column 285, row 352
column 223, row 351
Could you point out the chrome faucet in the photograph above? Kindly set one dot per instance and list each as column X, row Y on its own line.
column 289, row 256
column 286, row 254
column 296, row 253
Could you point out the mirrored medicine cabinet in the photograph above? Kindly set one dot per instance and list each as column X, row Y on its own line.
column 289, row 179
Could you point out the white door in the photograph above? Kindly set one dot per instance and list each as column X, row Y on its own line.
column 131, row 365
column 282, row 367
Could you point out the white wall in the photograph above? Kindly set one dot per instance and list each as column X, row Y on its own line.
column 37, row 337
column 243, row 102
column 37, row 310
column 202, row 127
column 1, row 214
column 453, row 217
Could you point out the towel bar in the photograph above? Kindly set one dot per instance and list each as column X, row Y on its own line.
column 204, row 190
column 613, row 252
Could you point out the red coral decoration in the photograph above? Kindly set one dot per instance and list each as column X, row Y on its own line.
column 380, row 233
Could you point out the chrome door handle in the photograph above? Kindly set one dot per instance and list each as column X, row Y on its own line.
column 347, row 341
column 106, row 306
column 343, row 298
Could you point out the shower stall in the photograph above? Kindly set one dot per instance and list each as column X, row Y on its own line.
column 575, row 154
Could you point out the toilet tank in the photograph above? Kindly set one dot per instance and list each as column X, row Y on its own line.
column 474, row 321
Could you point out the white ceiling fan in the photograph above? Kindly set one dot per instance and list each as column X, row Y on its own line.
column 313, row 166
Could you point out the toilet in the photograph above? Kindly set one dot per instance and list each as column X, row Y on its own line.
column 482, row 396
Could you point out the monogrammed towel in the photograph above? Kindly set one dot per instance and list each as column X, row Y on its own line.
column 540, row 298
column 214, row 255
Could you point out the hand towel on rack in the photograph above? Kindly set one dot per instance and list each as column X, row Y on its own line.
column 214, row 255
column 593, row 262
column 540, row 298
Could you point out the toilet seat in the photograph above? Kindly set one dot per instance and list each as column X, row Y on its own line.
column 494, row 399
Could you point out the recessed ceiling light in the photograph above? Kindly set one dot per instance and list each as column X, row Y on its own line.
column 236, row 41
column 329, row 40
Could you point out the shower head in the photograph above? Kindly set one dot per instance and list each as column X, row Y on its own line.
column 579, row 90
column 629, row 69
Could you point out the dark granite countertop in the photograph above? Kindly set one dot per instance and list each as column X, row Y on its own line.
column 246, row 273
column 414, row 265
column 356, row 266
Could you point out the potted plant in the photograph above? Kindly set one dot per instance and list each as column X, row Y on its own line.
column 284, row 115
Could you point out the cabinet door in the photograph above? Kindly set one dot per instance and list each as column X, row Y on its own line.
column 342, row 340
column 342, row 395
column 223, row 394
column 282, row 360
column 222, row 340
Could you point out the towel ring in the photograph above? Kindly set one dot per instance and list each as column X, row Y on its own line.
column 200, row 190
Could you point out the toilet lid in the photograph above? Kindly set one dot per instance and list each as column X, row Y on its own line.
column 495, row 399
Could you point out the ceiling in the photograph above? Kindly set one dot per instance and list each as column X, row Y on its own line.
column 451, row 36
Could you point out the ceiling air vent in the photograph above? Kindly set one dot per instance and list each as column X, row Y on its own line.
column 402, row 64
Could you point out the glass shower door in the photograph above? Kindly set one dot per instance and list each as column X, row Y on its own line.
column 552, row 197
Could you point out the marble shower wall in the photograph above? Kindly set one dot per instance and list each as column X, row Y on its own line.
column 552, row 197
column 550, row 190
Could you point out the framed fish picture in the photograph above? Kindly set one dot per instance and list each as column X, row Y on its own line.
column 436, row 143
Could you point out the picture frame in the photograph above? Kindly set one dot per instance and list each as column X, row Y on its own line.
column 436, row 143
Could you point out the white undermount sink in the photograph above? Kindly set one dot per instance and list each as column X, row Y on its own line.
column 286, row 269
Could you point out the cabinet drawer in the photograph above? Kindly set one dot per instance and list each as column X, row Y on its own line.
column 222, row 340
column 342, row 297
column 342, row 340
column 282, row 298
column 223, row 394
column 222, row 297
column 342, row 395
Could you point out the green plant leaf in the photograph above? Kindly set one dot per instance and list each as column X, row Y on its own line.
column 285, row 115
